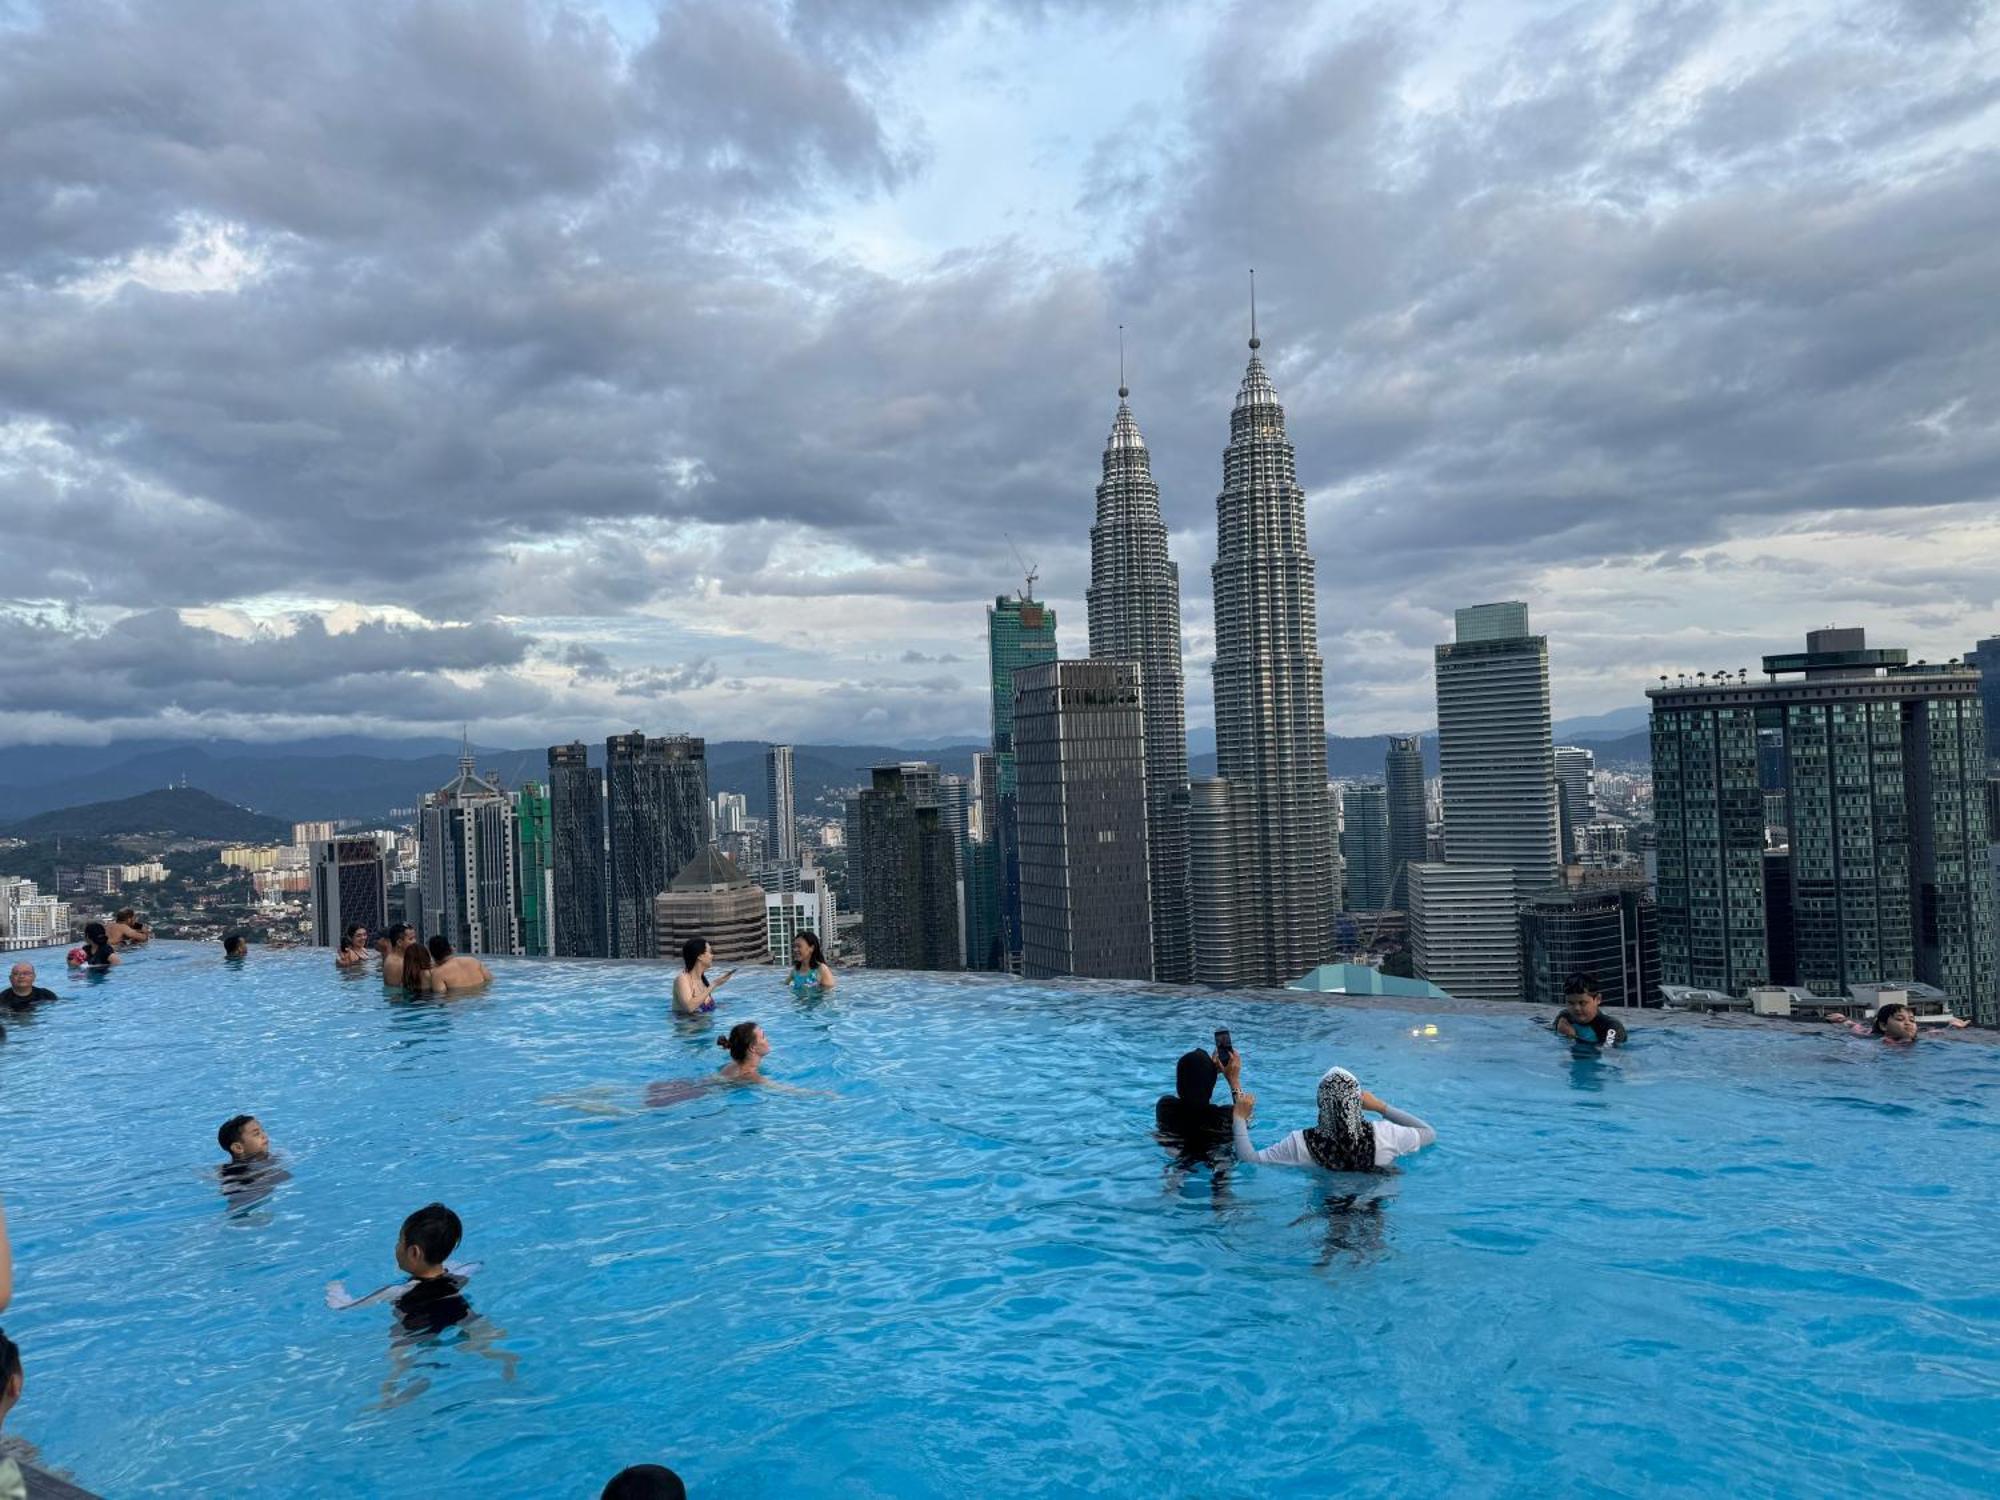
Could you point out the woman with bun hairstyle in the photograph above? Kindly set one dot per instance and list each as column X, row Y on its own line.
column 747, row 1047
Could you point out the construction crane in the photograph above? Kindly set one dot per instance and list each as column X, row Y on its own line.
column 1027, row 569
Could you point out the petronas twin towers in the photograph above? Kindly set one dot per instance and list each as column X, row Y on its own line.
column 1242, row 865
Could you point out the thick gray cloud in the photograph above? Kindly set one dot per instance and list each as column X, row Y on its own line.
column 487, row 313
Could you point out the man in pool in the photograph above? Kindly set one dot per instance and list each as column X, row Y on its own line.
column 1583, row 1019
column 22, row 992
column 399, row 939
column 126, row 930
column 235, row 945
column 458, row 971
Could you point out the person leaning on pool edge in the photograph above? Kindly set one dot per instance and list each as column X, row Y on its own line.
column 1581, row 1018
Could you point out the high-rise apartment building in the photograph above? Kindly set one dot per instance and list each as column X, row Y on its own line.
column 1020, row 632
column 1080, row 762
column 29, row 919
column 1496, row 751
column 1409, row 818
column 350, row 883
column 656, row 794
column 1134, row 602
column 781, row 844
column 954, row 800
column 533, row 853
column 1576, row 797
column 465, row 864
column 576, row 864
column 1985, row 658
column 1885, row 878
column 984, row 947
column 909, row 899
column 1464, row 934
column 304, row 834
column 1270, row 712
column 1611, row 932
column 1216, row 858
column 1365, row 845
column 729, row 812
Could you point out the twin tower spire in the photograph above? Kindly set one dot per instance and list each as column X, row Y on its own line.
column 1241, row 865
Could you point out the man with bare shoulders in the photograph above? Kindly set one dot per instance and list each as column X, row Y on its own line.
column 399, row 938
column 125, row 930
column 458, row 971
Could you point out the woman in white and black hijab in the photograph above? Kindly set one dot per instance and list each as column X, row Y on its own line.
column 1343, row 1141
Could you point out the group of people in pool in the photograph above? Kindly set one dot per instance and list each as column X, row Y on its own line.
column 102, row 940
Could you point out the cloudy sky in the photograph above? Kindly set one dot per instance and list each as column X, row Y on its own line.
column 558, row 369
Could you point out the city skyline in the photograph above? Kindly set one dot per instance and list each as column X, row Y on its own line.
column 1513, row 350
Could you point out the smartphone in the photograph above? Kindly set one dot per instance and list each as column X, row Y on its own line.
column 1223, row 1051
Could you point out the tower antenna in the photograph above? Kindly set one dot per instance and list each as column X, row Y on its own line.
column 1255, row 342
column 1123, row 391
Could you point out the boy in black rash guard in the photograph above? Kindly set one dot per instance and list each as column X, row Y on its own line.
column 432, row 1300
column 1581, row 1018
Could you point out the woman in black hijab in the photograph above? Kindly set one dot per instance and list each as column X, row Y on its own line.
column 1187, row 1116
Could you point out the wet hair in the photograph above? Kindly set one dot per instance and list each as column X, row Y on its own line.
column 10, row 1368
column 645, row 1482
column 742, row 1037
column 93, row 932
column 691, row 952
column 232, row 1132
column 1883, row 1014
column 814, row 958
column 398, row 932
column 233, row 944
column 1581, row 984
column 433, row 1231
column 124, row 914
column 417, row 966
column 440, row 949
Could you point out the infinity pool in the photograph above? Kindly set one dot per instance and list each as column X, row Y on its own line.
column 1732, row 1260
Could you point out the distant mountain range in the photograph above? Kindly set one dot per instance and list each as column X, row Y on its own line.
column 173, row 812
column 367, row 779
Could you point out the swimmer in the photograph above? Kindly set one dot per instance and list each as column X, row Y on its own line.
column 1894, row 1023
column 235, row 946
column 1188, row 1119
column 353, row 947
column 1342, row 1141
column 457, row 971
column 645, row 1482
column 243, row 1137
column 419, row 972
column 748, row 1047
column 692, row 987
column 96, row 952
column 811, row 974
column 127, row 930
column 1581, row 1020
column 22, row 992
column 431, row 1299
column 396, row 944
column 252, row 1172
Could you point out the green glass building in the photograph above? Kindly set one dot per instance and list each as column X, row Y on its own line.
column 532, row 853
column 1885, row 878
column 1020, row 632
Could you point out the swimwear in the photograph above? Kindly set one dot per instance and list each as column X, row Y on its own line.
column 433, row 1305
column 1604, row 1029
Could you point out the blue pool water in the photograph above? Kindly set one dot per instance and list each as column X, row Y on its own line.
column 1733, row 1260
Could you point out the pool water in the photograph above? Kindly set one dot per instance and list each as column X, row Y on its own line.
column 1734, row 1259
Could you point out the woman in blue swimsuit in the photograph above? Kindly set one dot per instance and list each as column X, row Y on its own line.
column 692, row 987
column 810, row 973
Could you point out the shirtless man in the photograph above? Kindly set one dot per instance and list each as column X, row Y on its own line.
column 125, row 930
column 398, row 938
column 458, row 971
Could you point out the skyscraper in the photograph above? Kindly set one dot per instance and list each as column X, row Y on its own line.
column 909, row 903
column 657, row 794
column 1217, row 891
column 1986, row 657
column 1270, row 712
column 1495, row 747
column 1364, row 845
column 533, row 850
column 1464, row 934
column 576, row 865
column 983, row 946
column 1134, row 602
column 711, row 898
column 1020, row 632
column 954, row 801
column 1409, row 823
column 1609, row 931
column 782, row 845
column 350, row 883
column 1886, row 876
column 1576, row 797
column 465, row 864
column 1080, row 756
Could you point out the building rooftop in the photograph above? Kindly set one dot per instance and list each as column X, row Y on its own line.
column 1360, row 979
